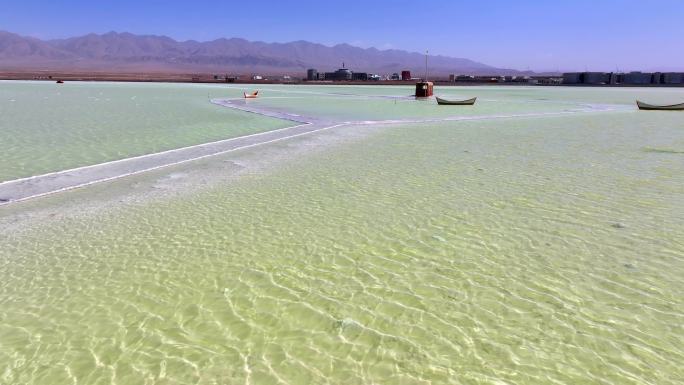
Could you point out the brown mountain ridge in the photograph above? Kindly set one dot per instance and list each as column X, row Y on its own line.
column 129, row 52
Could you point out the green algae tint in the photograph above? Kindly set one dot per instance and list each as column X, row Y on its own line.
column 47, row 127
column 510, row 251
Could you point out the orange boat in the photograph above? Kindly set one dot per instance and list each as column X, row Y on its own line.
column 253, row 95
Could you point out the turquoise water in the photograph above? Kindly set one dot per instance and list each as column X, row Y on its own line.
column 49, row 127
column 529, row 250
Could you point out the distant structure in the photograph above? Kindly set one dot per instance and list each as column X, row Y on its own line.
column 638, row 78
column 572, row 78
column 672, row 78
column 453, row 78
column 508, row 79
column 395, row 76
column 424, row 89
column 226, row 78
column 596, row 77
column 311, row 74
column 657, row 78
column 614, row 78
column 629, row 78
column 405, row 75
column 341, row 74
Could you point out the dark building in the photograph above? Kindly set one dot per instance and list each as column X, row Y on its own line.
column 345, row 74
column 595, row 78
column 341, row 74
column 395, row 76
column 637, row 78
column 614, row 78
column 405, row 75
column 673, row 78
column 586, row 78
column 657, row 78
column 549, row 80
column 630, row 78
column 311, row 74
column 571, row 78
column 466, row 78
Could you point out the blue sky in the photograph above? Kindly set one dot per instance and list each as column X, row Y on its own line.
column 521, row 34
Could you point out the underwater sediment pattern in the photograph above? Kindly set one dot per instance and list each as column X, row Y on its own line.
column 47, row 127
column 514, row 251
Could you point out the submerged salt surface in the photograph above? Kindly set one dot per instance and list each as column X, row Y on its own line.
column 55, row 182
column 51, row 127
column 455, row 252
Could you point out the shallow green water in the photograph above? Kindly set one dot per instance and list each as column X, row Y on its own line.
column 512, row 251
column 48, row 127
column 333, row 102
column 339, row 103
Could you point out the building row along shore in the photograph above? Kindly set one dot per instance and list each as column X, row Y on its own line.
column 629, row 78
column 347, row 76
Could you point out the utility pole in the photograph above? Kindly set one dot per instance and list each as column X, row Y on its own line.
column 426, row 65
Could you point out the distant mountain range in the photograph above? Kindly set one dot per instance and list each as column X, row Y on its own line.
column 126, row 52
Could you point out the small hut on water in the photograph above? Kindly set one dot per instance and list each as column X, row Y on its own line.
column 424, row 89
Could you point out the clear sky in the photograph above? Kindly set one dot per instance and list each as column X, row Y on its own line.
column 520, row 34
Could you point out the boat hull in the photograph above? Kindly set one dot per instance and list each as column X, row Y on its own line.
column 651, row 107
column 444, row 102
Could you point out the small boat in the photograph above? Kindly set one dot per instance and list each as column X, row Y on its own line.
column 672, row 107
column 444, row 102
column 253, row 95
column 60, row 81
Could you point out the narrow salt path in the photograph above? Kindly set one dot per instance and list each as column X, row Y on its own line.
column 36, row 186
column 26, row 188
